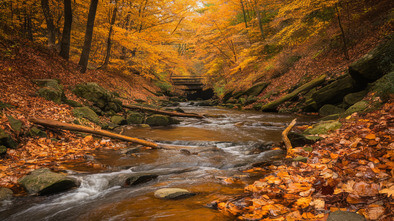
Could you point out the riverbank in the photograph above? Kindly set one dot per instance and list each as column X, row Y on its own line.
column 350, row 169
column 21, row 100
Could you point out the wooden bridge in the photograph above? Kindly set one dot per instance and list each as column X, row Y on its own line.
column 190, row 83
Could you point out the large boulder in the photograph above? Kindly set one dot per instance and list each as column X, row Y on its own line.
column 43, row 182
column 384, row 86
column 345, row 216
column 334, row 92
column 158, row 120
column 329, row 109
column 50, row 89
column 134, row 118
column 357, row 107
column 374, row 64
column 86, row 112
column 172, row 193
column 99, row 96
column 323, row 127
column 255, row 89
column 5, row 194
column 353, row 98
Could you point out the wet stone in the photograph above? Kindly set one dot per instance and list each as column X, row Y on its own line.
column 345, row 216
column 172, row 193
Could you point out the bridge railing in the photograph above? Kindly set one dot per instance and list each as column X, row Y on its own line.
column 187, row 80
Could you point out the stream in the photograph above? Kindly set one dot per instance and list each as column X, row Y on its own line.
column 207, row 150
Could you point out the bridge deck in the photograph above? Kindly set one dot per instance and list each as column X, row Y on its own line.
column 191, row 82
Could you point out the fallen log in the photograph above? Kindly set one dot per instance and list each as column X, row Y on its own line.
column 285, row 132
column 73, row 127
column 169, row 113
column 272, row 105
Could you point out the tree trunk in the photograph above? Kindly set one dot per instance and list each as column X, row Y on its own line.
column 83, row 62
column 244, row 13
column 272, row 105
column 109, row 42
column 65, row 44
column 73, row 127
column 258, row 13
column 169, row 113
column 50, row 25
column 343, row 33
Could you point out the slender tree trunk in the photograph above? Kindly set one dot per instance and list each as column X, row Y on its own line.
column 244, row 13
column 83, row 62
column 29, row 27
column 65, row 44
column 343, row 34
column 109, row 41
column 258, row 13
column 50, row 25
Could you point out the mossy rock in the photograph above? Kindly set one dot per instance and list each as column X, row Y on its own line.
column 44, row 182
column 5, row 194
column 231, row 101
column 357, row 107
column 227, row 96
column 384, row 86
column 87, row 113
column 300, row 159
column 3, row 150
column 53, row 83
column 51, row 94
column 134, row 118
column 353, row 98
column 241, row 101
column 375, row 64
column 335, row 91
column 35, row 132
column 256, row 89
column 257, row 106
column 250, row 100
column 119, row 120
column 72, row 103
column 16, row 124
column 329, row 109
column 158, row 120
column 345, row 216
column 5, row 105
column 238, row 94
column 100, row 97
column 323, row 127
column 6, row 140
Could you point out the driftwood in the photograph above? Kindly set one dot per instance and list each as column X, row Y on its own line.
column 73, row 127
column 285, row 132
column 169, row 113
column 272, row 105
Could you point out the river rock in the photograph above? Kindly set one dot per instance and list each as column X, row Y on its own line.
column 299, row 140
column 256, row 89
column 158, row 120
column 269, row 156
column 329, row 109
column 127, row 180
column 323, row 127
column 134, row 118
column 172, row 193
column 345, row 216
column 86, row 112
column 118, row 120
column 43, row 182
column 5, row 194
column 375, row 64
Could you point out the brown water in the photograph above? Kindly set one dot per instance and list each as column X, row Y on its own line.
column 234, row 134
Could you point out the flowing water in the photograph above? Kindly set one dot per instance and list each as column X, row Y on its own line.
column 217, row 147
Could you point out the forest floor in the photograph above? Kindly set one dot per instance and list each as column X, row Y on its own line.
column 22, row 62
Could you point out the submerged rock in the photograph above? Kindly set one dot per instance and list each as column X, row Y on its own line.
column 43, row 182
column 127, row 180
column 172, row 193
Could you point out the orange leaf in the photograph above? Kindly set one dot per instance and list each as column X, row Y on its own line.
column 370, row 136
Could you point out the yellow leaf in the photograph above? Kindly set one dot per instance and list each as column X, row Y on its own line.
column 303, row 202
column 389, row 191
